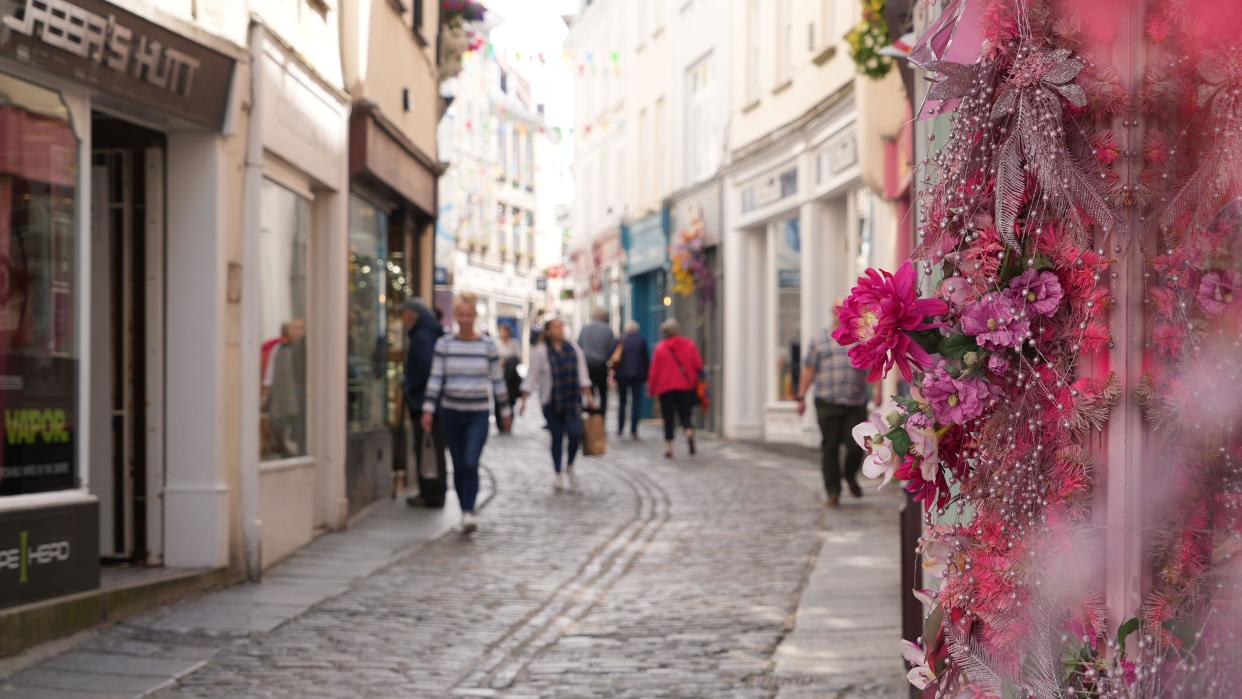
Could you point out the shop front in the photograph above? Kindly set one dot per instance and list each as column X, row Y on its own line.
column 801, row 229
column 103, row 123
column 695, row 219
column 391, row 232
column 646, row 252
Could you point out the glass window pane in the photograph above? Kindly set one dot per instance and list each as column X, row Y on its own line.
column 38, row 267
column 368, row 318
column 283, row 256
column 788, row 251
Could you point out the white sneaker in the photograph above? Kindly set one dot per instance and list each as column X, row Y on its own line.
column 573, row 478
column 469, row 523
column 558, row 483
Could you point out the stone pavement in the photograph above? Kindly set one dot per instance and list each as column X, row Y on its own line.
column 718, row 576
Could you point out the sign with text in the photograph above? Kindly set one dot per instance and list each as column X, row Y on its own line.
column 38, row 404
column 48, row 552
column 120, row 53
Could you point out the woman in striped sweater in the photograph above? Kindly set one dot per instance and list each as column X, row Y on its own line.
column 466, row 381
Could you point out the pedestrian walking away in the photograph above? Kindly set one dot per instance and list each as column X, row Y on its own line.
column 675, row 370
column 423, row 330
column 466, row 378
column 558, row 372
column 598, row 342
column 510, row 357
column 630, row 363
column 840, row 393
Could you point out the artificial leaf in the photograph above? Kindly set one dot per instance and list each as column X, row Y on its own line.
column 929, row 340
column 1125, row 630
column 956, row 346
column 900, row 441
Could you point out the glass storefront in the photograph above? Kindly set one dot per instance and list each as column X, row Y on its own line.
column 38, row 268
column 283, row 257
column 368, row 316
column 787, row 251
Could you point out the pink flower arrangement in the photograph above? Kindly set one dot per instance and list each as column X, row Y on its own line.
column 1216, row 291
column 955, row 400
column 925, row 443
column 1036, row 291
column 995, row 323
column 881, row 460
column 877, row 318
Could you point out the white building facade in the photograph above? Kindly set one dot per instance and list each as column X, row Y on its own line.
column 490, row 215
column 801, row 222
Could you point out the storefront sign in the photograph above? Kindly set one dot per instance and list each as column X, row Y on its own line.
column 48, row 552
column 646, row 246
column 122, row 54
column 38, row 405
column 769, row 189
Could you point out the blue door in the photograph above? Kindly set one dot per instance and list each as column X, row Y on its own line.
column 647, row 292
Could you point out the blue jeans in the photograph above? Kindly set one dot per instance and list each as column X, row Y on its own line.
column 465, row 433
column 631, row 391
column 567, row 424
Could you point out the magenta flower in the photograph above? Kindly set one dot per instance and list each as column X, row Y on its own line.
column 1036, row 291
column 998, row 364
column 1216, row 291
column 876, row 318
column 957, row 291
column 995, row 323
column 955, row 400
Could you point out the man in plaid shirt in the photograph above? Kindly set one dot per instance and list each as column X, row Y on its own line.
column 840, row 404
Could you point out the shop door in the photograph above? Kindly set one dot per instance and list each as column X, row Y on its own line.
column 648, row 299
column 127, row 233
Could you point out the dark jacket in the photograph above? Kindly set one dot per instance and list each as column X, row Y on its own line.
column 420, row 349
column 635, row 360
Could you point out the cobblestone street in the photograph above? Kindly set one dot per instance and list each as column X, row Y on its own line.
column 656, row 579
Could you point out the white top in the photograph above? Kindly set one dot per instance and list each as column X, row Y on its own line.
column 510, row 349
column 539, row 378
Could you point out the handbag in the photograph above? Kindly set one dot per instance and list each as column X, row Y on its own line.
column 594, row 434
column 617, row 353
column 701, row 390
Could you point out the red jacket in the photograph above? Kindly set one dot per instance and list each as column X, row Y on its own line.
column 666, row 375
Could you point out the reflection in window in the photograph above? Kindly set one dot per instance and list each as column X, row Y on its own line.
column 283, row 250
column 38, row 265
column 368, row 317
column 787, row 249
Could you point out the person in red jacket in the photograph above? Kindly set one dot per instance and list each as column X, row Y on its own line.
column 674, row 379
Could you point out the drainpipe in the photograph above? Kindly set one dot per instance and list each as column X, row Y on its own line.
column 252, row 525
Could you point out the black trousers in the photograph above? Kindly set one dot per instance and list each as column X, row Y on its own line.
column 599, row 383
column 432, row 477
column 677, row 405
column 836, row 423
column 630, row 391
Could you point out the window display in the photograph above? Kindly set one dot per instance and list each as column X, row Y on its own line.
column 368, row 317
column 787, row 248
column 38, row 267
column 283, row 256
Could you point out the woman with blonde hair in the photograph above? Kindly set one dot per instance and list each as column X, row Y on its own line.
column 466, row 381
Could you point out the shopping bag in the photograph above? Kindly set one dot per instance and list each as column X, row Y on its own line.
column 594, row 441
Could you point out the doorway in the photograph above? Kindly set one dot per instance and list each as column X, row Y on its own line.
column 126, row 324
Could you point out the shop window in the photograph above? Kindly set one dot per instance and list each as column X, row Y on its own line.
column 283, row 258
column 368, row 317
column 787, row 261
column 38, row 267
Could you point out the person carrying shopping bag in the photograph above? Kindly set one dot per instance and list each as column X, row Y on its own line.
column 558, row 371
column 465, row 374
column 675, row 370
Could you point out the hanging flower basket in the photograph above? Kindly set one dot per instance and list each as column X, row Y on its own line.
column 868, row 38
column 692, row 273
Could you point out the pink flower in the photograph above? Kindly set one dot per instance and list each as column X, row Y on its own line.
column 925, row 443
column 876, row 318
column 1216, row 291
column 998, row 364
column 995, row 323
column 957, row 291
column 955, row 400
column 1036, row 291
column 921, row 675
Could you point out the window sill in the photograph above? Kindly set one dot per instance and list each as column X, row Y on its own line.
column 824, row 55
column 751, row 106
column 297, row 462
column 788, row 83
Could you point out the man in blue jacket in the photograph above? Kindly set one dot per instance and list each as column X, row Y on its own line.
column 422, row 331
